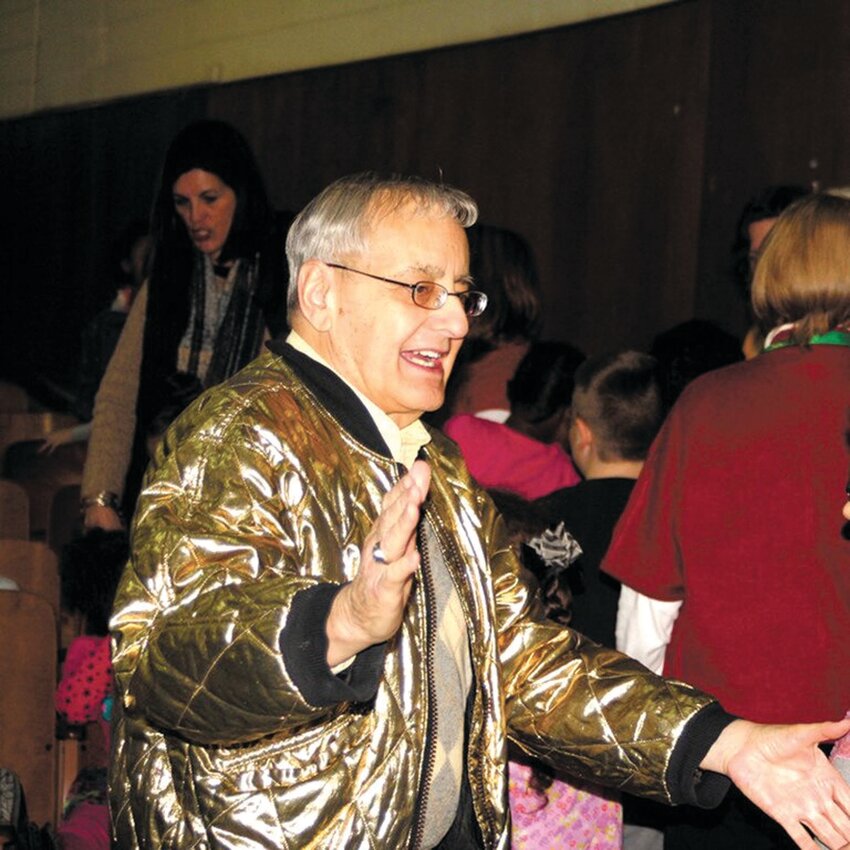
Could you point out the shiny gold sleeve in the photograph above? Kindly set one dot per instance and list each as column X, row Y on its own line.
column 225, row 535
column 587, row 710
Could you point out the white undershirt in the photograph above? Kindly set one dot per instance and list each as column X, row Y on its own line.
column 644, row 627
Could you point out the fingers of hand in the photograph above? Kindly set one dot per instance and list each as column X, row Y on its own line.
column 379, row 595
column 420, row 473
column 815, row 798
column 380, row 589
column 784, row 772
column 395, row 526
column 828, row 821
column 833, row 731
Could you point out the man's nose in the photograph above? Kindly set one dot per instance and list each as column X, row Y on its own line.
column 452, row 318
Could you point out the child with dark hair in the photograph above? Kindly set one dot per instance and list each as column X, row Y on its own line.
column 90, row 570
column 617, row 409
column 616, row 413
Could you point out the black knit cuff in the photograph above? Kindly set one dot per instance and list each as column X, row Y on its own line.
column 304, row 646
column 686, row 781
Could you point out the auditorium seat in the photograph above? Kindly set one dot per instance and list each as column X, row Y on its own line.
column 13, row 399
column 35, row 568
column 28, row 665
column 42, row 475
column 15, row 427
column 14, row 511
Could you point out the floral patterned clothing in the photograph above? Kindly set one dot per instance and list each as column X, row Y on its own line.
column 573, row 816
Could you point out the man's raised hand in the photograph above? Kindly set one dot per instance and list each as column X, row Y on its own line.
column 369, row 609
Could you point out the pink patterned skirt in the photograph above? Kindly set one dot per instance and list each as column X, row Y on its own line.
column 565, row 817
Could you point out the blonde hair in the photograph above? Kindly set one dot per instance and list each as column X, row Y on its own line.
column 803, row 273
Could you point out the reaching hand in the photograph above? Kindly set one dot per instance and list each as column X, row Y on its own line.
column 783, row 771
column 370, row 609
column 54, row 439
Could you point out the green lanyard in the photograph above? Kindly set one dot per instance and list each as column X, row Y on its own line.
column 829, row 338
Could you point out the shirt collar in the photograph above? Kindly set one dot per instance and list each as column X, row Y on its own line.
column 404, row 443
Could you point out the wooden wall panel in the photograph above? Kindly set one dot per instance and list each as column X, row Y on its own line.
column 77, row 179
column 621, row 148
column 777, row 113
column 587, row 140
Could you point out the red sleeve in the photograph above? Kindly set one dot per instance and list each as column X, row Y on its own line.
column 86, row 679
column 644, row 551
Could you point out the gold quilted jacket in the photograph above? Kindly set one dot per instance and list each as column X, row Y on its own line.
column 261, row 492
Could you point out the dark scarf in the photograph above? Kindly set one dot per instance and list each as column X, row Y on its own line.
column 161, row 387
column 238, row 339
column 168, row 314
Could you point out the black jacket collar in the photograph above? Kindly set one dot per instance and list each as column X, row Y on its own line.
column 335, row 395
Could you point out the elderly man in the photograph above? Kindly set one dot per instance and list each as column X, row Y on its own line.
column 323, row 638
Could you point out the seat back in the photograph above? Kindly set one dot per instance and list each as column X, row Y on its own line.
column 41, row 475
column 14, row 511
column 27, row 685
column 34, row 566
column 13, row 399
column 63, row 519
column 17, row 426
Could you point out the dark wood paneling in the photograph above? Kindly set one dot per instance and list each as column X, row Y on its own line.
column 76, row 179
column 587, row 140
column 622, row 149
column 777, row 113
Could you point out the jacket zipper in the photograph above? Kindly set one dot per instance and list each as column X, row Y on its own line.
column 430, row 645
column 453, row 555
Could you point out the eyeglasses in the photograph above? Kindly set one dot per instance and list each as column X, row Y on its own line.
column 428, row 294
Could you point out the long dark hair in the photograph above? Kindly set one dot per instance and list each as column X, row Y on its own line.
column 220, row 149
column 502, row 264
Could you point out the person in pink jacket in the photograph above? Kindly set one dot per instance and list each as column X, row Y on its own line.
column 526, row 454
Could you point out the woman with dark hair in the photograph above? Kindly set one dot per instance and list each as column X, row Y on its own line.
column 502, row 265
column 216, row 289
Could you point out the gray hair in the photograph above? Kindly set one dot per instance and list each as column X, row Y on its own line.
column 336, row 221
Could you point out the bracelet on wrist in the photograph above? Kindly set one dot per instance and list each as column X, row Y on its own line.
column 104, row 499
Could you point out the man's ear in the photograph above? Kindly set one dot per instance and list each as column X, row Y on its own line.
column 315, row 294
